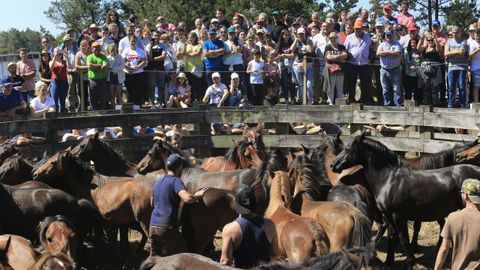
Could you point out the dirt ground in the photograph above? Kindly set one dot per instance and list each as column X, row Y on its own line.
column 111, row 258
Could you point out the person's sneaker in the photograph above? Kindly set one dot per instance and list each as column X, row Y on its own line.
column 136, row 107
column 118, row 107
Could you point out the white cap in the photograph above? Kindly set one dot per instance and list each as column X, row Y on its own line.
column 301, row 30
column 234, row 75
column 215, row 74
column 214, row 20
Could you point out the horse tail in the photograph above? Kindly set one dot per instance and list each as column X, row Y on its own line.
column 320, row 240
column 362, row 233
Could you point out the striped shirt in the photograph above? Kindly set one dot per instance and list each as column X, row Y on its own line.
column 390, row 62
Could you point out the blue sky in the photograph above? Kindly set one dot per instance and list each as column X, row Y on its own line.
column 32, row 15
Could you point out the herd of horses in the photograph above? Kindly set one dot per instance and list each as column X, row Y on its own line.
column 323, row 201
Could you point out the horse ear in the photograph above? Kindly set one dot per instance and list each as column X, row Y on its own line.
column 306, row 150
column 95, row 136
column 235, row 143
column 68, row 149
column 338, row 135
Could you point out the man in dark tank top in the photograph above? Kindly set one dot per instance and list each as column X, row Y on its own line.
column 250, row 239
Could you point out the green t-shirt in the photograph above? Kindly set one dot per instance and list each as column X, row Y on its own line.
column 100, row 59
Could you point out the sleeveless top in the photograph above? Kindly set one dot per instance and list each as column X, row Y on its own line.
column 255, row 247
column 59, row 71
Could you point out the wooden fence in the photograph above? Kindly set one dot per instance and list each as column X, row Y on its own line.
column 420, row 124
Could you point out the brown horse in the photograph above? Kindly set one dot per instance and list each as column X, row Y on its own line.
column 15, row 170
column 54, row 261
column 298, row 237
column 121, row 201
column 16, row 253
column 254, row 135
column 106, row 160
column 469, row 156
column 241, row 155
column 156, row 157
column 58, row 234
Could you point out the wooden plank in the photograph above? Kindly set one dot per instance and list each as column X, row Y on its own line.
column 454, row 137
column 387, row 118
column 451, row 120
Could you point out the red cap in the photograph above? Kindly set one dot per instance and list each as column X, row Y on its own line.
column 260, row 20
column 388, row 6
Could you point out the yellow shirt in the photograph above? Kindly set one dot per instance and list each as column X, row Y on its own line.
column 191, row 61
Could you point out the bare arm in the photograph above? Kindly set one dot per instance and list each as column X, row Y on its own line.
column 442, row 254
column 224, row 97
column 187, row 197
column 229, row 235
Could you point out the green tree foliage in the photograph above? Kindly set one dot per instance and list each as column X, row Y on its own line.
column 461, row 13
column 79, row 14
column 14, row 39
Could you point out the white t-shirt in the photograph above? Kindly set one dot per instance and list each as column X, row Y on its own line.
column 124, row 43
column 475, row 62
column 256, row 77
column 38, row 105
column 134, row 57
column 216, row 94
column 320, row 41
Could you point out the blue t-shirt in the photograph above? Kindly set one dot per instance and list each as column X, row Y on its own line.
column 10, row 101
column 216, row 62
column 166, row 201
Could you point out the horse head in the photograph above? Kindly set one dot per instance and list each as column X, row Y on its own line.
column 349, row 157
column 88, row 147
column 156, row 158
column 255, row 136
column 470, row 155
column 249, row 154
column 15, row 169
column 58, row 234
column 56, row 260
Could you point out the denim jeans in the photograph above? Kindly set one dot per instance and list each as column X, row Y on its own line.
column 299, row 73
column 457, row 77
column 392, row 89
column 156, row 78
column 59, row 90
column 286, row 84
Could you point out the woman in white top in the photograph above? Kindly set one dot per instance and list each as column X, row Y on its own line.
column 135, row 60
column 116, row 76
column 42, row 103
column 216, row 93
column 81, row 67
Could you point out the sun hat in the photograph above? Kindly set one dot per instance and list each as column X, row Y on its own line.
column 216, row 75
column 245, row 201
column 93, row 26
column 471, row 187
column 44, row 51
column 11, row 64
column 181, row 75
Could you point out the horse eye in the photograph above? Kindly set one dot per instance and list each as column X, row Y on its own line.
column 49, row 239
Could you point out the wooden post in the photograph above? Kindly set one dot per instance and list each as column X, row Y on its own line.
column 410, row 106
column 127, row 127
column 341, row 101
column 204, row 129
column 305, row 81
column 426, row 133
column 82, row 93
column 51, row 135
column 356, row 129
column 317, row 88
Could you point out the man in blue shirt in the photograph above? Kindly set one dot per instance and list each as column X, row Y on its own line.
column 167, row 192
column 213, row 49
column 11, row 101
column 390, row 53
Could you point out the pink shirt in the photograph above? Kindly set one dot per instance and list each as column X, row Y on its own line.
column 24, row 68
column 405, row 19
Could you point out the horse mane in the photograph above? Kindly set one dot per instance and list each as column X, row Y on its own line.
column 6, row 150
column 443, row 158
column 232, row 154
column 66, row 261
column 312, row 175
column 47, row 221
column 111, row 152
column 383, row 156
column 82, row 168
column 276, row 161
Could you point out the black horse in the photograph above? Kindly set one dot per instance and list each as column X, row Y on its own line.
column 402, row 193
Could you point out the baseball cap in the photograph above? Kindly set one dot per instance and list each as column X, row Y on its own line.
column 245, row 201
column 6, row 82
column 260, row 20
column 389, row 33
column 333, row 34
column 231, row 29
column 58, row 50
column 388, row 6
column 436, row 22
column 472, row 27
column 175, row 160
column 67, row 37
column 215, row 75
column 276, row 13
column 234, row 75
column 182, row 75
column 96, row 44
column 301, row 30
column 94, row 26
column 472, row 188
column 212, row 31
column 358, row 24
column 214, row 20
column 295, row 23
column 11, row 64
column 379, row 24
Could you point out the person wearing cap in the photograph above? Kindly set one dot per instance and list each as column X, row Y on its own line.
column 404, row 17
column 387, row 14
column 237, row 93
column 213, row 50
column 214, row 23
column 474, row 55
column 456, row 54
column 250, row 239
column 390, row 53
column 278, row 26
column 11, row 101
column 412, row 33
column 437, row 32
column 216, row 93
column 233, row 58
column 461, row 232
column 358, row 46
column 16, row 80
column 180, row 93
column 303, row 47
column 59, row 65
column 97, row 75
column 336, row 55
column 27, row 69
column 256, row 70
column 168, row 191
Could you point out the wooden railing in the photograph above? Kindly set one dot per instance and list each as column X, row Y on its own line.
column 420, row 124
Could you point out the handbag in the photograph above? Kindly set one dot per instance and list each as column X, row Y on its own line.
column 197, row 71
column 332, row 68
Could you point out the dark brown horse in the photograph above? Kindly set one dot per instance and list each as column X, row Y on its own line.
column 16, row 253
column 6, row 150
column 58, row 234
column 156, row 157
column 241, row 155
column 469, row 156
column 106, row 160
column 15, row 170
column 402, row 193
column 299, row 237
column 121, row 201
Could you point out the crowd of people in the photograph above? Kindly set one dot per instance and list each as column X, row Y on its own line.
column 240, row 61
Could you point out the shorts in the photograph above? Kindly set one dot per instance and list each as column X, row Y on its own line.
column 184, row 98
column 114, row 79
column 476, row 77
column 165, row 241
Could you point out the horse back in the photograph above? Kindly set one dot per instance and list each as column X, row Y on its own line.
column 19, row 252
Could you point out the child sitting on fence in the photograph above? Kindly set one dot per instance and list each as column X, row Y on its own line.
column 179, row 94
